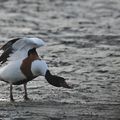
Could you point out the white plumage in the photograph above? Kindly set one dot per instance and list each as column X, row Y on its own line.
column 23, row 64
column 22, row 46
column 11, row 72
column 28, row 43
column 39, row 67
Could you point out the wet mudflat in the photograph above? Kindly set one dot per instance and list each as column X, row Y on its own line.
column 82, row 44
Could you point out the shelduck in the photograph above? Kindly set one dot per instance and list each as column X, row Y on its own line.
column 21, row 64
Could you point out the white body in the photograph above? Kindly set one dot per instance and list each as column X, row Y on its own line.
column 11, row 72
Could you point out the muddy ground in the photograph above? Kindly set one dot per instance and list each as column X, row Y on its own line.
column 82, row 44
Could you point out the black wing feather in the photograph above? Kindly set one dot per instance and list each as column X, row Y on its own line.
column 7, row 48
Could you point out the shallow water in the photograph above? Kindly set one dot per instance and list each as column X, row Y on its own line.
column 82, row 45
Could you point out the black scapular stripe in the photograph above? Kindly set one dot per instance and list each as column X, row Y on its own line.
column 7, row 48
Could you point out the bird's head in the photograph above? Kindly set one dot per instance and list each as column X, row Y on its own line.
column 56, row 80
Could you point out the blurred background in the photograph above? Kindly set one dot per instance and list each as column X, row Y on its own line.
column 82, row 44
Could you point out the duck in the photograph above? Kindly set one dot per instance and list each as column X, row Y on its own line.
column 20, row 63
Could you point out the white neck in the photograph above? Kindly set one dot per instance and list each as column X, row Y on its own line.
column 39, row 67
